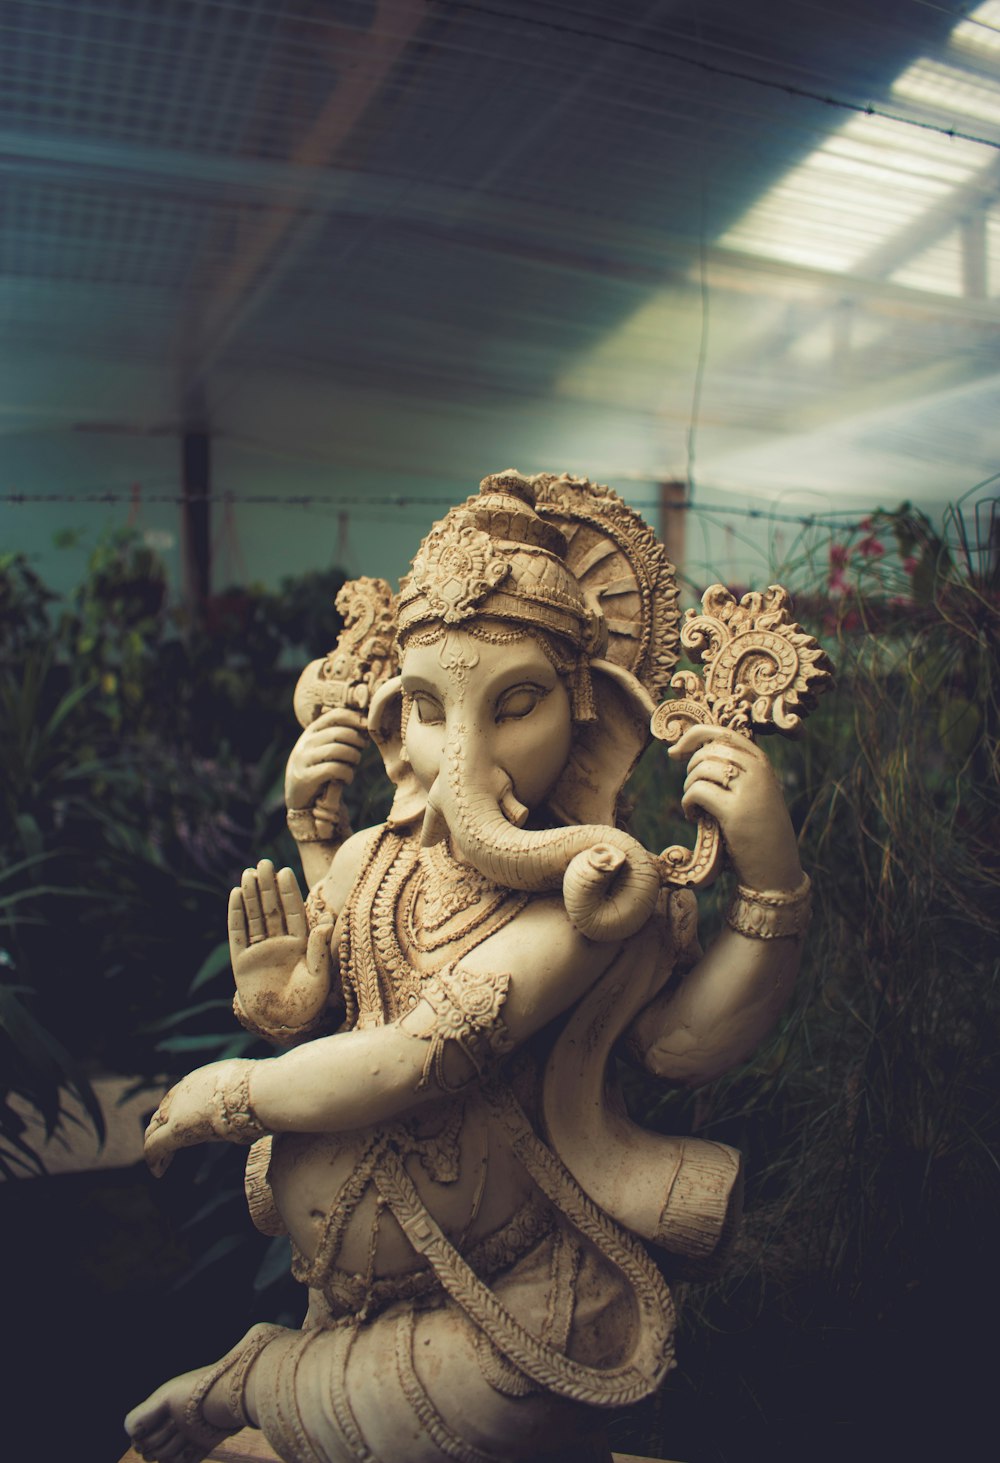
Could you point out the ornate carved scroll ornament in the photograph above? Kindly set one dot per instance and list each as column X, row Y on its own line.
column 762, row 672
column 362, row 659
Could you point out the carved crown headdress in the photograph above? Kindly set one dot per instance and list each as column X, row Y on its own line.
column 494, row 556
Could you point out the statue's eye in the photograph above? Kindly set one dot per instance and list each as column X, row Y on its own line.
column 429, row 711
column 519, row 701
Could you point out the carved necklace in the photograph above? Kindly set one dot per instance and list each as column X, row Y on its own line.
column 370, row 995
column 444, row 889
column 448, row 887
column 378, row 980
column 454, row 888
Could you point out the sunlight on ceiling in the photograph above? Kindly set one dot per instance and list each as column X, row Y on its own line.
column 875, row 178
column 863, row 185
column 980, row 30
column 369, row 242
column 952, row 88
column 849, row 288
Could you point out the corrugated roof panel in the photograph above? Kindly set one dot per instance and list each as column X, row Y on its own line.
column 981, row 30
column 950, row 89
column 869, row 180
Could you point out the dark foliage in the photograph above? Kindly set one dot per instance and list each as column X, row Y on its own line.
column 141, row 770
column 847, row 1323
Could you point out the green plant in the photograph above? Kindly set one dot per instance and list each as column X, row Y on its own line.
column 142, row 768
column 871, row 1119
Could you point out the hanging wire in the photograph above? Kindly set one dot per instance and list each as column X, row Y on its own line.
column 703, row 292
column 833, row 518
column 865, row 109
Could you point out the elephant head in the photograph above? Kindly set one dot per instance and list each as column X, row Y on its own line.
column 506, row 715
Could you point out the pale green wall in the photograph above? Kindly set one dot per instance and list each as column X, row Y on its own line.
column 391, row 462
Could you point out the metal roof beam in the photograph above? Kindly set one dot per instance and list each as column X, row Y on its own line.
column 269, row 247
column 976, row 196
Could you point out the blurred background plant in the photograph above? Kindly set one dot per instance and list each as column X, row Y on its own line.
column 870, row 1121
column 142, row 768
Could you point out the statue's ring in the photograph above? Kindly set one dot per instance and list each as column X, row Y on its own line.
column 730, row 775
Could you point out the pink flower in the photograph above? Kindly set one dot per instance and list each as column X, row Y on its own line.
column 910, row 564
column 871, row 547
column 839, row 555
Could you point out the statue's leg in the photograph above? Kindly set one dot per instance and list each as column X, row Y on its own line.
column 422, row 1385
column 185, row 1418
column 403, row 1388
column 412, row 1385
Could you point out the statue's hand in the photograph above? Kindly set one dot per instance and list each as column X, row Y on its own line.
column 282, row 969
column 730, row 778
column 328, row 751
column 186, row 1115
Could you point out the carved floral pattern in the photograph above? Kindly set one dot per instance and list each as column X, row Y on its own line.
column 455, row 569
column 762, row 670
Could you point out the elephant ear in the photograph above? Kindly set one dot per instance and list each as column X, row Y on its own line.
column 626, row 576
column 624, row 573
column 605, row 751
column 385, row 723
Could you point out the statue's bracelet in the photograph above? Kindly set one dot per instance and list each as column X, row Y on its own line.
column 306, row 827
column 771, row 914
column 302, row 826
column 235, row 1119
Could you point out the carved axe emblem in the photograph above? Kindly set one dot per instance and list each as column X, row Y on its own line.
column 350, row 674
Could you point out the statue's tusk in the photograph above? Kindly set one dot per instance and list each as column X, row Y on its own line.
column 512, row 808
column 434, row 828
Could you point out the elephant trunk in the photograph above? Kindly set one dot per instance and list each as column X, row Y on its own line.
column 610, row 882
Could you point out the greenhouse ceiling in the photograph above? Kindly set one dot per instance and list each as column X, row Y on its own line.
column 760, row 242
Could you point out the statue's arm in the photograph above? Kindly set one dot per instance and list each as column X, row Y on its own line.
column 719, row 1012
column 725, row 1005
column 329, row 1085
column 322, row 763
column 316, row 856
column 473, row 1016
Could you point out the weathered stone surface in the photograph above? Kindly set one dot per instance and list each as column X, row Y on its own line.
column 469, row 1205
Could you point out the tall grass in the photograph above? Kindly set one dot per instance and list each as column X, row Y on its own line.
column 871, row 1118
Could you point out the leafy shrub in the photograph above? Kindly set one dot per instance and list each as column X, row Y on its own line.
column 870, row 1120
column 142, row 768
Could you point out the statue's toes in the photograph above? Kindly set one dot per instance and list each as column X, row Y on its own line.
column 152, row 1428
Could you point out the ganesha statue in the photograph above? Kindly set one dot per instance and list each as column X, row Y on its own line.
column 480, row 1226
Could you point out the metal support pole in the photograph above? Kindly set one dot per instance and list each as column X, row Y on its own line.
column 673, row 521
column 196, row 462
column 975, row 262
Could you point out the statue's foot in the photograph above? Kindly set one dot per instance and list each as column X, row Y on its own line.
column 168, row 1428
column 188, row 1416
